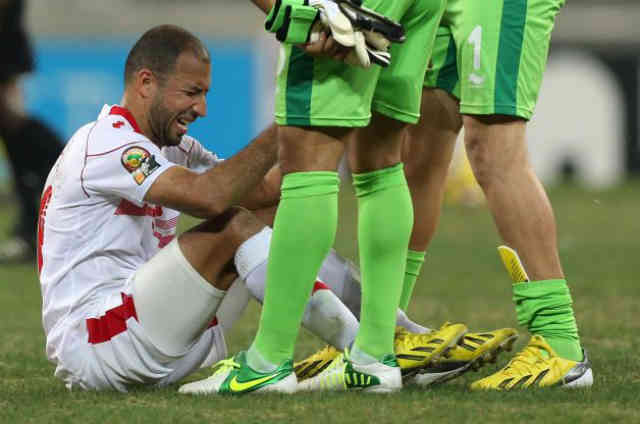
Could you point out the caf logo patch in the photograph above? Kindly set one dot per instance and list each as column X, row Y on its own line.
column 139, row 163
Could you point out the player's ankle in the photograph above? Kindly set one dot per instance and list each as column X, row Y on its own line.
column 258, row 362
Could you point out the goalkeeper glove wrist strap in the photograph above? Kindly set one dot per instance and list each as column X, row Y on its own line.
column 291, row 21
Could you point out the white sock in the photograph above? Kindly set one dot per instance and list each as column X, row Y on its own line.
column 343, row 278
column 361, row 357
column 403, row 321
column 257, row 362
column 329, row 319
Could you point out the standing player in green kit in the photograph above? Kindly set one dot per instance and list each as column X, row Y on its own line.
column 485, row 75
column 319, row 105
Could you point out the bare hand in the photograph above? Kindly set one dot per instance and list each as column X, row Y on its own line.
column 326, row 46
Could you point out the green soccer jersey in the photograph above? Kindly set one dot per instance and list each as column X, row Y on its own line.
column 492, row 54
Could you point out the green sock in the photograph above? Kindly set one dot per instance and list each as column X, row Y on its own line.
column 415, row 259
column 385, row 217
column 545, row 308
column 303, row 232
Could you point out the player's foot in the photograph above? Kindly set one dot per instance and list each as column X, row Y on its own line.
column 233, row 376
column 316, row 363
column 343, row 374
column 417, row 351
column 472, row 351
column 16, row 250
column 537, row 365
column 413, row 351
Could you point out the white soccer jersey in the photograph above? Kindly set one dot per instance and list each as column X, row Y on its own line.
column 94, row 228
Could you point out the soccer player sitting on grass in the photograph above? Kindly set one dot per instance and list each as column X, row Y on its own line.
column 124, row 301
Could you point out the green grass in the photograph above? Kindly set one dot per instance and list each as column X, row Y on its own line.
column 462, row 280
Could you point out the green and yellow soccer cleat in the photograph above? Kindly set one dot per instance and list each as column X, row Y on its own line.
column 537, row 365
column 342, row 374
column 417, row 351
column 234, row 377
column 316, row 363
column 472, row 351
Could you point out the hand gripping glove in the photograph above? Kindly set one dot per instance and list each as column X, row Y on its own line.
column 351, row 25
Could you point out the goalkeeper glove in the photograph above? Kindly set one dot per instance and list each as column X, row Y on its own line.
column 351, row 25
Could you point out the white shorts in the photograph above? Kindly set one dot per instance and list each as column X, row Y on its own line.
column 107, row 347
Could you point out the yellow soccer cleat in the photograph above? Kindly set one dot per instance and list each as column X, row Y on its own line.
column 537, row 365
column 415, row 351
column 316, row 363
column 471, row 352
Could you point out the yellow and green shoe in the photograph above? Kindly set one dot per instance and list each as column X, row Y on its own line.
column 234, row 377
column 472, row 351
column 537, row 365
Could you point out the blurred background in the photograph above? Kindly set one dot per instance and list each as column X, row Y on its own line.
column 586, row 125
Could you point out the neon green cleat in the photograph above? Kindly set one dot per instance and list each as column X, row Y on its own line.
column 537, row 365
column 233, row 376
column 472, row 351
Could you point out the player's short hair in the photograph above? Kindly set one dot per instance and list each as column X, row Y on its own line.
column 158, row 50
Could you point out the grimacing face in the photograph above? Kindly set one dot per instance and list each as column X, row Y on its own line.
column 180, row 99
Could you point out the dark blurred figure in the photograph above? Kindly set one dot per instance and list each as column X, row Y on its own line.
column 32, row 147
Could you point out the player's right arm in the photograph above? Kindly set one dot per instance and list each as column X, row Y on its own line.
column 211, row 193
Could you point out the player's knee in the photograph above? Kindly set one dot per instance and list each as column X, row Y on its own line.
column 423, row 160
column 232, row 227
column 243, row 224
column 480, row 157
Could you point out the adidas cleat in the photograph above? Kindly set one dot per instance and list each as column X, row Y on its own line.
column 417, row 351
column 316, row 363
column 342, row 374
column 233, row 376
column 537, row 365
column 472, row 352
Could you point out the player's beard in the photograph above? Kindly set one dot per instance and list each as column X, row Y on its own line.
column 160, row 120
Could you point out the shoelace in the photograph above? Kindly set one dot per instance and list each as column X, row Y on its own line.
column 224, row 365
column 525, row 361
column 412, row 340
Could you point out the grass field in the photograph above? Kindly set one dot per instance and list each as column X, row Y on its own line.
column 462, row 280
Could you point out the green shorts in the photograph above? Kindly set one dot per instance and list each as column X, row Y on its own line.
column 322, row 92
column 492, row 54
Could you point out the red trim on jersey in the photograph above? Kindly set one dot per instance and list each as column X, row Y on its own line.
column 213, row 322
column 44, row 204
column 319, row 285
column 113, row 322
column 118, row 110
column 127, row 208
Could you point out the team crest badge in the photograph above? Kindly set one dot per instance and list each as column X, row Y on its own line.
column 139, row 163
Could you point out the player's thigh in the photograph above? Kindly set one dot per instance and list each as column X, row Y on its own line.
column 502, row 53
column 321, row 92
column 399, row 89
